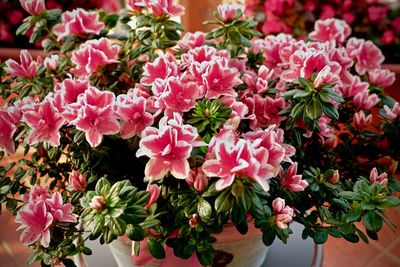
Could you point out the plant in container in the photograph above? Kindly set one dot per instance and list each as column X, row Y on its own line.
column 179, row 142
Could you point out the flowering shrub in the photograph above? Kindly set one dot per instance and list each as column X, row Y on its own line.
column 166, row 137
column 375, row 20
column 13, row 12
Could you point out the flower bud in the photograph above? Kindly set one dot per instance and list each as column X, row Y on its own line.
column 98, row 203
column 51, row 62
column 33, row 7
column 193, row 220
column 197, row 179
column 154, row 191
column 334, row 178
column 77, row 181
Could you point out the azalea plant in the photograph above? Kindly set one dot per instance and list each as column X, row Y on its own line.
column 167, row 137
column 375, row 20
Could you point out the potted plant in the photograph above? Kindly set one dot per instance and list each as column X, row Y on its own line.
column 183, row 142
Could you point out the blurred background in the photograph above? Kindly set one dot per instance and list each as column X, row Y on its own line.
column 376, row 20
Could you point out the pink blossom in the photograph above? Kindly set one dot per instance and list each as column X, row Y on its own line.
column 327, row 11
column 168, row 149
column 36, row 194
column 192, row 40
column 33, row 7
column 162, row 67
column 356, row 86
column 197, row 179
column 137, row 5
column 27, row 68
column 273, row 25
column 227, row 12
column 59, row 210
column 45, row 123
column 166, row 7
column 78, row 22
column 364, row 100
column 131, row 109
column 396, row 24
column 293, row 181
column 96, row 116
column 220, row 80
column 7, row 130
column 391, row 113
column 283, row 214
column 330, row 30
column 154, row 191
column 367, row 55
column 36, row 221
column 360, row 121
column 92, row 55
column 278, row 6
column 70, row 89
column 77, row 181
column 375, row 178
column 179, row 96
column 381, row 77
column 388, row 37
column 376, row 13
column 51, row 62
column 325, row 76
column 349, row 17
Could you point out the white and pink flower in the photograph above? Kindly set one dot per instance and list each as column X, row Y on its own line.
column 293, row 181
column 78, row 22
column 382, row 178
column 381, row 77
column 33, row 7
column 283, row 214
column 330, row 30
column 26, row 69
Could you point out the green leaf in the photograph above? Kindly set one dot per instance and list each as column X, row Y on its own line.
column 268, row 236
column 135, row 233
column 314, row 109
column 372, row 221
column 204, row 209
column 117, row 226
column 156, row 248
column 103, row 187
column 11, row 204
column 321, row 236
column 363, row 236
column 237, row 189
column 234, row 37
column 348, row 195
column 68, row 263
column 223, row 202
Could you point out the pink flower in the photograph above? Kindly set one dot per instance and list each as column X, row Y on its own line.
column 376, row 13
column 197, row 179
column 227, row 12
column 278, row 6
column 220, row 80
column 131, row 109
column 70, row 89
column 27, row 68
column 36, row 194
column 45, row 123
column 78, row 22
column 168, row 149
column 137, row 5
column 166, row 7
column 33, row 7
column 154, row 191
column 396, row 24
column 388, row 37
column 60, row 211
column 367, row 55
column 364, row 100
column 36, row 221
column 325, row 76
column 360, row 121
column 77, row 181
column 179, row 96
column 381, row 77
column 7, row 130
column 375, row 178
column 192, row 40
column 92, row 55
column 283, row 214
column 162, row 67
column 96, row 116
column 356, row 86
column 51, row 62
column 293, row 181
column 391, row 113
column 330, row 30
column 327, row 11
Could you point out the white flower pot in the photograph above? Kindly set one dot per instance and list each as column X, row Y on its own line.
column 247, row 250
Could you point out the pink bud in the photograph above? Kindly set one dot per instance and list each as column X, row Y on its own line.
column 51, row 62
column 98, row 203
column 360, row 121
column 335, row 177
column 197, row 179
column 77, row 181
column 154, row 191
column 283, row 214
column 33, row 7
column 375, row 178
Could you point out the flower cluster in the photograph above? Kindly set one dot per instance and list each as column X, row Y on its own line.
column 375, row 20
column 166, row 137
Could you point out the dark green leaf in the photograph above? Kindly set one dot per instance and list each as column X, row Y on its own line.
column 156, row 248
column 314, row 109
column 372, row 221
